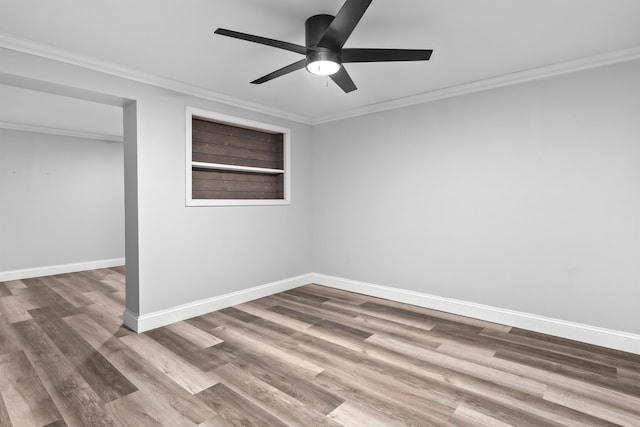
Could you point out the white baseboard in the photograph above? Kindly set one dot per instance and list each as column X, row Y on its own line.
column 156, row 319
column 28, row 273
column 619, row 340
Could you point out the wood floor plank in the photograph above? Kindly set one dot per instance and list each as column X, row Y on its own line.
column 562, row 348
column 301, row 315
column 243, row 316
column 202, row 323
column 13, row 285
column 629, row 374
column 219, row 421
column 4, row 291
column 93, row 278
column 622, row 355
column 108, row 321
column 466, row 416
column 8, row 341
column 141, row 409
column 551, row 357
column 398, row 331
column 308, row 356
column 332, row 294
column 596, row 408
column 105, row 304
column 511, row 381
column 118, row 297
column 178, row 369
column 258, row 311
column 76, row 282
column 108, row 383
column 76, row 401
column 5, row 420
column 420, row 320
column 250, row 338
column 237, row 410
column 388, row 313
column 609, row 381
column 59, row 423
column 352, row 414
column 509, row 414
column 277, row 374
column 39, row 294
column 184, row 347
column 25, row 398
column 15, row 309
column 114, row 284
column 196, row 336
column 322, row 311
column 578, row 387
column 410, row 405
column 70, row 294
column 284, row 407
column 301, row 292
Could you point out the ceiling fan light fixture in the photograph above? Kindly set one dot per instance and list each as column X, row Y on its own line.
column 323, row 68
column 323, row 62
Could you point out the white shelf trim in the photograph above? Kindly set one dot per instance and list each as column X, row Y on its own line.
column 221, row 166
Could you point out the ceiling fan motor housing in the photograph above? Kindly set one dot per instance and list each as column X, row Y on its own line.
column 315, row 27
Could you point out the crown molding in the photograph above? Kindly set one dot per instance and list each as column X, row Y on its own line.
column 539, row 73
column 11, row 42
column 63, row 132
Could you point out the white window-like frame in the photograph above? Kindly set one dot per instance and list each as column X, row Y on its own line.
column 192, row 112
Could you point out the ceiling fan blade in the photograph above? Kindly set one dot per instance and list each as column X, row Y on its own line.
column 382, row 55
column 343, row 24
column 343, row 79
column 262, row 40
column 281, row 72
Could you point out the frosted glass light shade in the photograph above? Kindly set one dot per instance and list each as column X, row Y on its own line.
column 323, row 68
column 323, row 62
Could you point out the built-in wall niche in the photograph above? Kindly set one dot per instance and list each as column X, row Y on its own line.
column 235, row 161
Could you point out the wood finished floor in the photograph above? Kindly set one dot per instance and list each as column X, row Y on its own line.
column 307, row 357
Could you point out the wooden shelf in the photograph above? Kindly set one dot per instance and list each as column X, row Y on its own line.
column 250, row 169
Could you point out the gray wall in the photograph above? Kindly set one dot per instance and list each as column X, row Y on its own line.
column 62, row 200
column 525, row 197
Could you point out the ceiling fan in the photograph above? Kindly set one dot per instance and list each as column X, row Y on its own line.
column 325, row 36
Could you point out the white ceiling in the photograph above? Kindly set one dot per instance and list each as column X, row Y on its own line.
column 472, row 40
